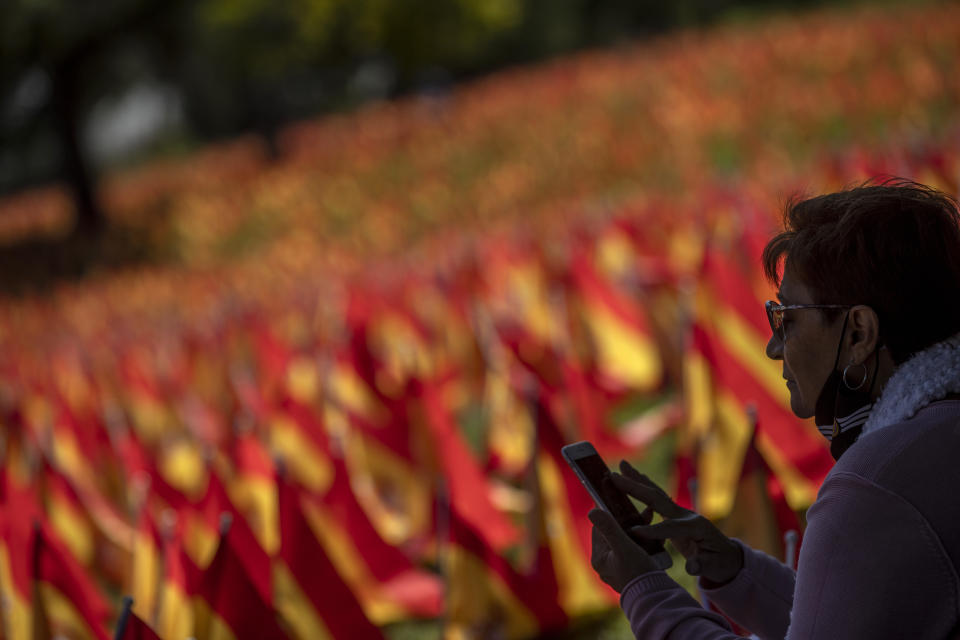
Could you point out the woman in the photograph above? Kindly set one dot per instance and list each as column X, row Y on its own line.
column 867, row 331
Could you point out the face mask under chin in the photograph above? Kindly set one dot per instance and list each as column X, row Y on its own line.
column 840, row 409
column 841, row 412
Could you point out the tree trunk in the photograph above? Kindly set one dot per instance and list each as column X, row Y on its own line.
column 76, row 168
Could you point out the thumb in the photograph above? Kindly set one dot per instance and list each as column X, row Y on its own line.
column 693, row 566
column 609, row 528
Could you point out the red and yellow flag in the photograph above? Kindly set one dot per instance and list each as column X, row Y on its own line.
column 311, row 597
column 230, row 602
column 385, row 580
column 487, row 597
column 727, row 373
column 69, row 602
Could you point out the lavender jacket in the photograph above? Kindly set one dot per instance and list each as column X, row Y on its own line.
column 881, row 551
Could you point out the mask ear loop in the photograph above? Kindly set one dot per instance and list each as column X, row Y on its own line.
column 836, row 361
column 843, row 332
column 876, row 368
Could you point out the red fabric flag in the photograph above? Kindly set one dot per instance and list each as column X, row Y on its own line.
column 68, row 517
column 252, row 488
column 19, row 509
column 131, row 626
column 566, row 504
column 488, row 597
column 626, row 349
column 761, row 507
column 398, row 581
column 176, row 615
column 466, row 482
column 333, row 602
column 243, row 544
column 382, row 576
column 72, row 603
column 145, row 569
column 233, row 594
column 726, row 372
column 570, row 385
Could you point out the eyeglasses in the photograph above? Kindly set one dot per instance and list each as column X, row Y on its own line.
column 775, row 313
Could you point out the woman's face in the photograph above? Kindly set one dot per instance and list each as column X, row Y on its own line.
column 808, row 350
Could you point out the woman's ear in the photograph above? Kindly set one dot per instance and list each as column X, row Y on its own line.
column 864, row 334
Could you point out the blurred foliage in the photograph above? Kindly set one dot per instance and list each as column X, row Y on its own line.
column 253, row 65
column 610, row 626
column 762, row 105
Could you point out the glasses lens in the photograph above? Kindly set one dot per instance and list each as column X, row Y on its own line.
column 775, row 317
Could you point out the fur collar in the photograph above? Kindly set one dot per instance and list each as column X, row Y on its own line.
column 927, row 376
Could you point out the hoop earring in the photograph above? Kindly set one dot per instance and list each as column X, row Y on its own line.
column 862, row 381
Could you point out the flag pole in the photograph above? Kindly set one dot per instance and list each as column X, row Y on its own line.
column 444, row 550
column 790, row 539
column 38, row 618
column 124, row 617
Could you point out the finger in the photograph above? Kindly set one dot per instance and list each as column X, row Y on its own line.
column 693, row 566
column 647, row 515
column 651, row 496
column 598, row 548
column 671, row 508
column 610, row 529
column 689, row 526
column 631, row 472
column 628, row 470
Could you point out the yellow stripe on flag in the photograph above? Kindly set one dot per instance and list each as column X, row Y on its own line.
column 256, row 498
column 511, row 426
column 698, row 396
column 307, row 464
column 209, row 625
column 151, row 419
column 749, row 348
column 351, row 392
column 184, row 467
column 579, row 589
column 395, row 496
column 73, row 528
column 623, row 352
column 17, row 614
column 294, row 608
column 528, row 292
column 342, row 552
column 721, row 456
column 69, row 457
column 63, row 617
column 200, row 540
column 615, row 254
column 477, row 596
column 176, row 617
column 145, row 576
column 799, row 492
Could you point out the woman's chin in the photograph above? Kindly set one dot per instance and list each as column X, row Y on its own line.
column 799, row 407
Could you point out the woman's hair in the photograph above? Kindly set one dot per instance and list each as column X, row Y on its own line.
column 893, row 246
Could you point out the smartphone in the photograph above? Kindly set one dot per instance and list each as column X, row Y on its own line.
column 595, row 476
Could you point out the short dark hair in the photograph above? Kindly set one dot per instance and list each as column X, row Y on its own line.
column 893, row 246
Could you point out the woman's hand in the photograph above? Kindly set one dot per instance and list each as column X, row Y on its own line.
column 615, row 557
column 711, row 555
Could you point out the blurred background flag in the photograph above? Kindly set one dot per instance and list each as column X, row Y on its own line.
column 312, row 598
column 353, row 273
column 130, row 626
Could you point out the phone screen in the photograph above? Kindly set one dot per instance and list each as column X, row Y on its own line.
column 597, row 473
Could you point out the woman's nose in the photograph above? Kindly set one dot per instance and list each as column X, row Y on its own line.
column 775, row 347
